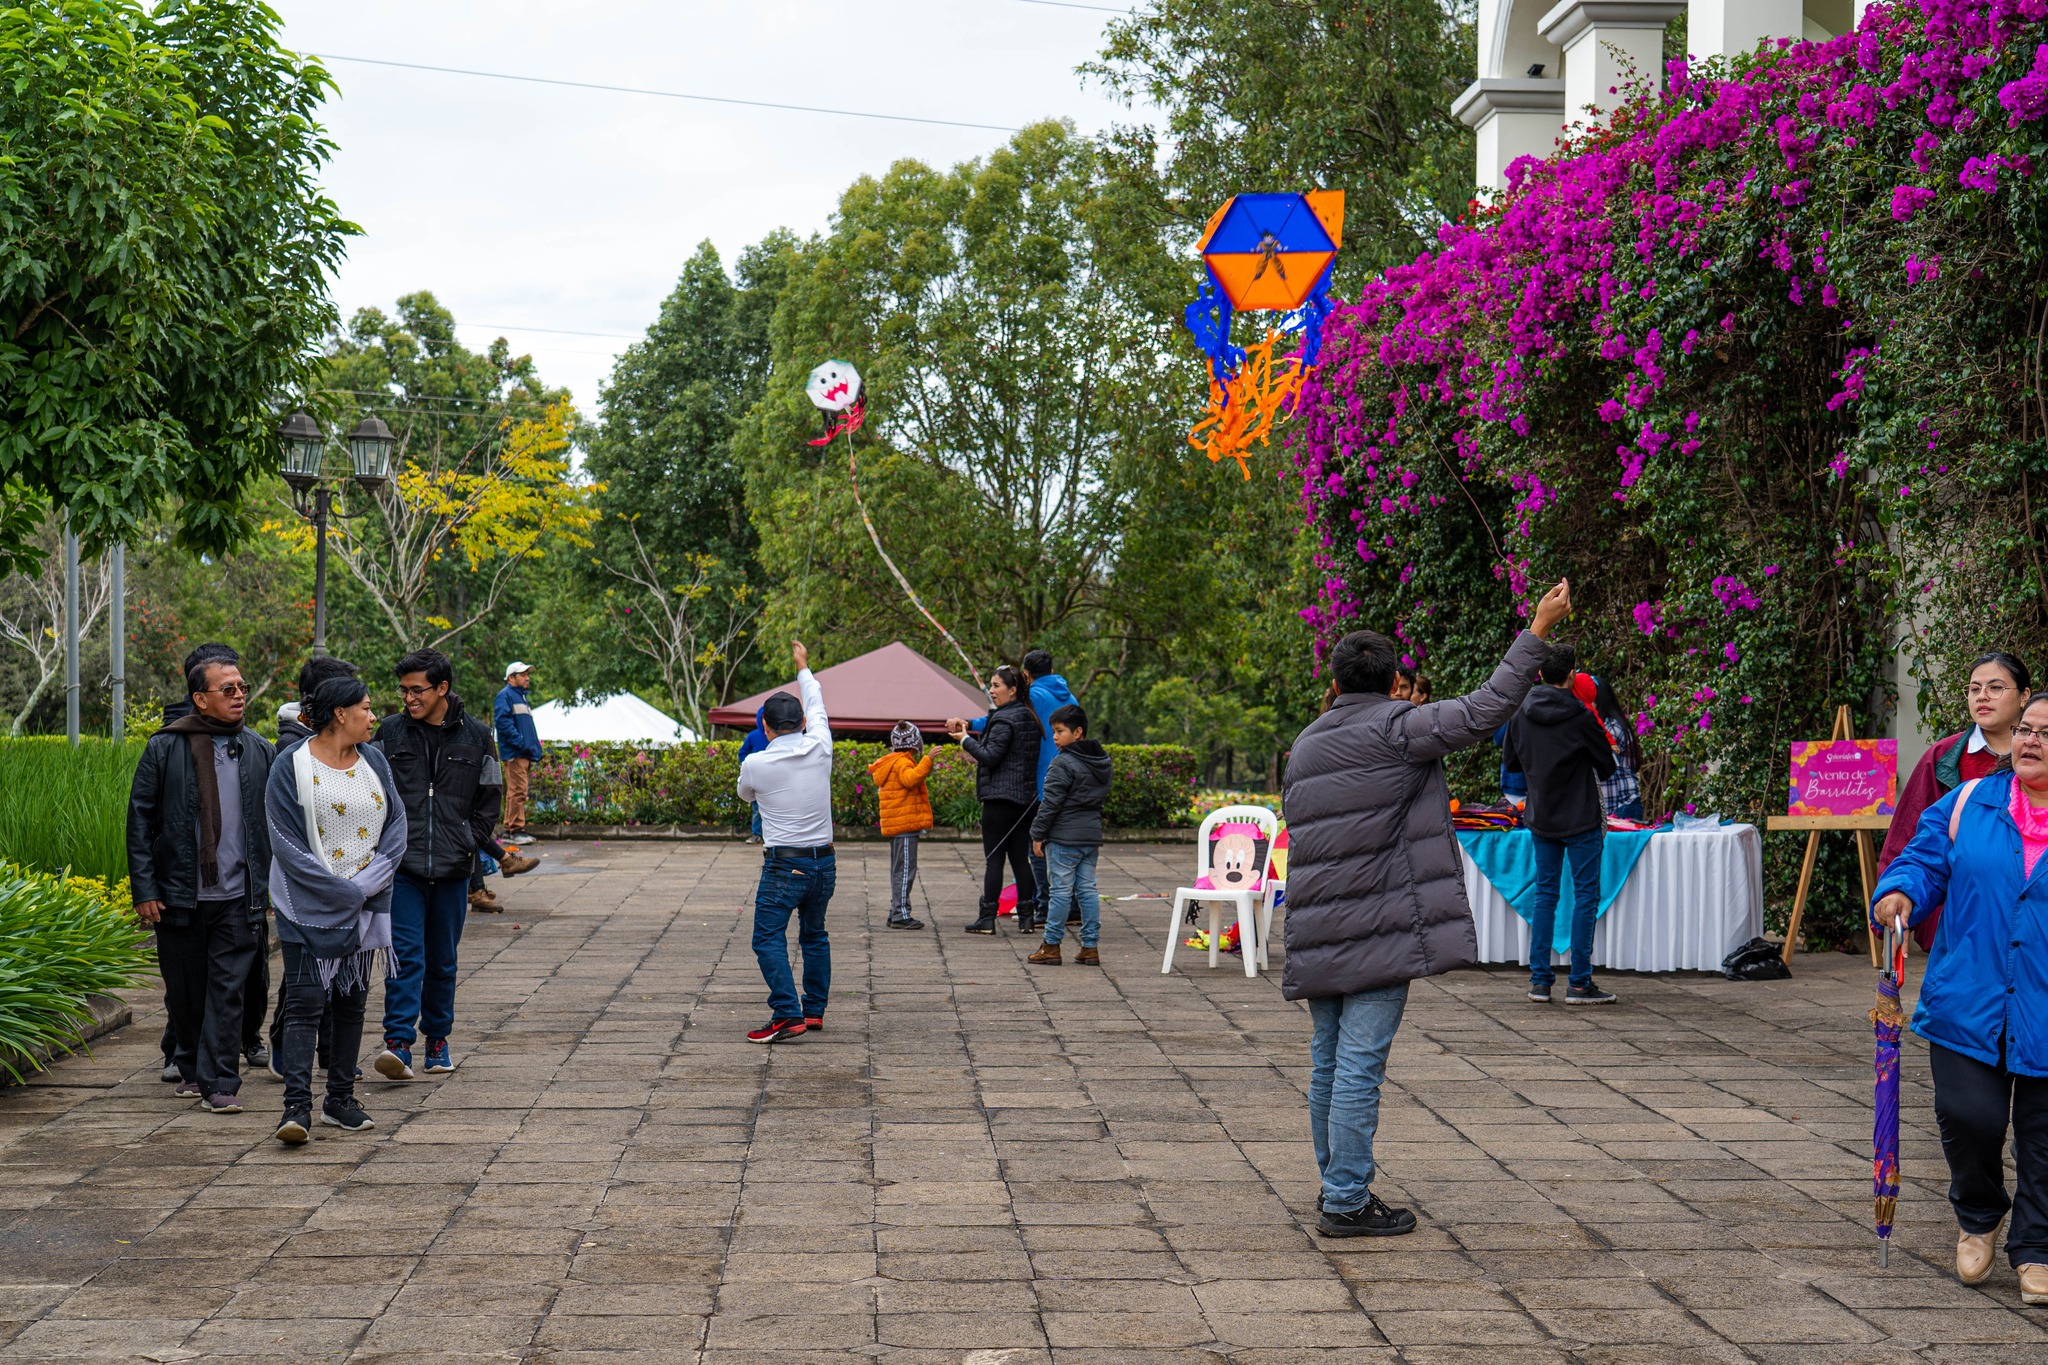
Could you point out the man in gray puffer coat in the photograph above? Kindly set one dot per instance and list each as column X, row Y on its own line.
column 1376, row 889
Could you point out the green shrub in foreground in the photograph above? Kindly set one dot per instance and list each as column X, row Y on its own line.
column 60, row 941
column 62, row 807
column 697, row 784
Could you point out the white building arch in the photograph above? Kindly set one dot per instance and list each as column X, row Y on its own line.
column 1547, row 64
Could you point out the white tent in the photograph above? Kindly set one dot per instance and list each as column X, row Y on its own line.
column 621, row 718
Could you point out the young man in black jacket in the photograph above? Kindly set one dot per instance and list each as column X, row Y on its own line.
column 1565, row 752
column 445, row 766
column 1067, row 833
column 199, row 865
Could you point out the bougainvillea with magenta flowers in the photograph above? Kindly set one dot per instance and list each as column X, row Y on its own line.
column 1756, row 365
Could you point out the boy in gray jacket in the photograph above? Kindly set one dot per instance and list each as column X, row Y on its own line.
column 1067, row 833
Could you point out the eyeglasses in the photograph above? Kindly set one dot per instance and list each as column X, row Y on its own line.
column 1990, row 689
column 2026, row 734
column 229, row 689
column 410, row 692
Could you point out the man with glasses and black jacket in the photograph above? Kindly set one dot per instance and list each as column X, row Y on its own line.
column 445, row 767
column 199, row 865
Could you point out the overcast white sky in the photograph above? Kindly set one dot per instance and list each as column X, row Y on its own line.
column 527, row 206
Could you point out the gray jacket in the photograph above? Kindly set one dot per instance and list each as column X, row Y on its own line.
column 1076, row 786
column 1375, row 886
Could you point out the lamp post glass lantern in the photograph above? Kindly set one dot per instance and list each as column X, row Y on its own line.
column 303, row 447
column 369, row 450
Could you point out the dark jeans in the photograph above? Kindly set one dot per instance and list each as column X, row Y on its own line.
column 1584, row 850
column 1006, row 833
column 204, row 955
column 326, row 1045
column 800, row 887
column 1041, row 877
column 1973, row 1105
column 256, row 995
column 426, row 932
column 308, row 1008
column 902, row 872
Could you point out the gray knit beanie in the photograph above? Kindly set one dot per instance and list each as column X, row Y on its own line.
column 906, row 737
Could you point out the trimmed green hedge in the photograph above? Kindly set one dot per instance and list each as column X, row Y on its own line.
column 697, row 784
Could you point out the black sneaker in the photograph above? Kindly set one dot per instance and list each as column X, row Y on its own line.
column 171, row 1076
column 985, row 925
column 1587, row 995
column 1540, row 994
column 907, row 922
column 258, row 1057
column 296, row 1126
column 346, row 1115
column 1374, row 1220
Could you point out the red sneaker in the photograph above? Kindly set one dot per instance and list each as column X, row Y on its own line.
column 776, row 1030
column 813, row 1024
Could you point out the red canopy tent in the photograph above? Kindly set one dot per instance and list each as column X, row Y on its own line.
column 870, row 693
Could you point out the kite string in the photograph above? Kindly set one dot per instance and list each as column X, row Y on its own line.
column 803, row 595
column 853, row 473
column 1483, row 525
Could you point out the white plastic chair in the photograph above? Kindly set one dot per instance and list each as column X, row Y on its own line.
column 1251, row 940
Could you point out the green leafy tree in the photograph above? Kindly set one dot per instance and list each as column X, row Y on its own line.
column 164, row 256
column 1017, row 410
column 1300, row 94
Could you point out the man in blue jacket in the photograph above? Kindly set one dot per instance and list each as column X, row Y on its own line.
column 518, row 747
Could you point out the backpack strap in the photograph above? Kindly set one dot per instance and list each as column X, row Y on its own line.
column 1955, row 815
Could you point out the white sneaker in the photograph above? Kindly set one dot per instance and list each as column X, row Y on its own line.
column 518, row 840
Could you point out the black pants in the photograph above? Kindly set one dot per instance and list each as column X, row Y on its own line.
column 204, row 955
column 326, row 1046
column 1973, row 1104
column 256, row 995
column 1006, row 833
column 309, row 1010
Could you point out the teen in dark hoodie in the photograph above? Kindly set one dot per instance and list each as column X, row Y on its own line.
column 1556, row 742
column 1067, row 833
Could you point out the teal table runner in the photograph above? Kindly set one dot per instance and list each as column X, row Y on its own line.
column 1507, row 858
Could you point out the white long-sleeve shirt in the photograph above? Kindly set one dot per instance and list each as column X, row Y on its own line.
column 792, row 777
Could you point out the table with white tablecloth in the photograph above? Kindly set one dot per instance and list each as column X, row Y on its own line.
column 1692, row 897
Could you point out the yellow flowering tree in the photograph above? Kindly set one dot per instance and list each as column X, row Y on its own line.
column 485, row 513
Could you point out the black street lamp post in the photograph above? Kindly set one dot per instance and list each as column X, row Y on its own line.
column 304, row 448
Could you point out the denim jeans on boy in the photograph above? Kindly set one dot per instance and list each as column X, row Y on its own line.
column 1072, row 870
column 902, row 872
column 426, row 931
column 1348, row 1053
column 1584, row 851
column 800, row 887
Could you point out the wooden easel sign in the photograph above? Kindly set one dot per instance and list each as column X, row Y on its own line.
column 1839, row 783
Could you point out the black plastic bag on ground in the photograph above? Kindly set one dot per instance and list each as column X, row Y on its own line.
column 1757, row 960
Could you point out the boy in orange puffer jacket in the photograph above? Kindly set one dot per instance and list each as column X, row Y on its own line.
column 906, row 813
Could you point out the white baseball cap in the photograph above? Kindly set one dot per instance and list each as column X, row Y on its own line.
column 516, row 667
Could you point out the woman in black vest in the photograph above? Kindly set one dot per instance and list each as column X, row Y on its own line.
column 1005, row 755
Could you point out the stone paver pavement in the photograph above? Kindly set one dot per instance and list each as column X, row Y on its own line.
column 986, row 1163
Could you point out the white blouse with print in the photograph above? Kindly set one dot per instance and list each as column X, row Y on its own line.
column 350, row 806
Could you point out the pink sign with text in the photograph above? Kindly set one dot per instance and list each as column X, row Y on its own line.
column 1845, row 777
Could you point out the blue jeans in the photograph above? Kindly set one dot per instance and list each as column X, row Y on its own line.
column 1584, row 850
column 426, row 931
column 1353, row 1034
column 803, row 887
column 754, row 826
column 1071, row 868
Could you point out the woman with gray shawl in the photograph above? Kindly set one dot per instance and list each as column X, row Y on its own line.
column 337, row 833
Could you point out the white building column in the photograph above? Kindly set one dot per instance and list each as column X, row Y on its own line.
column 1722, row 28
column 1512, row 117
column 1608, row 46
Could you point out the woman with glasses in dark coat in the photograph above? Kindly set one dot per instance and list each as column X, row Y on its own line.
column 1005, row 756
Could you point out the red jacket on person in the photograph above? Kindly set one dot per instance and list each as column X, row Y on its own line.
column 1943, row 768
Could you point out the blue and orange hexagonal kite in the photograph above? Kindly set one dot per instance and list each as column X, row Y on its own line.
column 1264, row 253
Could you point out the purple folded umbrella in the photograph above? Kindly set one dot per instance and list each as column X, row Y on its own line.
column 1888, row 1021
